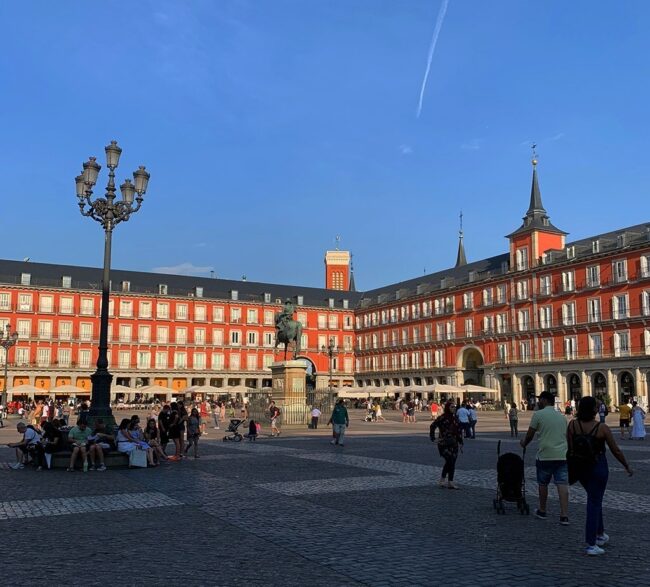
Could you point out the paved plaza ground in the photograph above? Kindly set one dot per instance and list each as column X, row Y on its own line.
column 295, row 510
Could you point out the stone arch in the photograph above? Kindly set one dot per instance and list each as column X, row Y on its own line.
column 599, row 385
column 550, row 383
column 528, row 392
column 574, row 386
column 626, row 386
column 470, row 357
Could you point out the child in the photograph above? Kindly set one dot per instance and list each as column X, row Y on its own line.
column 252, row 431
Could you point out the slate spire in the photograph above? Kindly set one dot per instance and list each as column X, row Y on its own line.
column 460, row 257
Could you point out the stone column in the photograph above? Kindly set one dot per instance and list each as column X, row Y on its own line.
column 585, row 383
column 612, row 387
column 515, row 383
column 561, row 388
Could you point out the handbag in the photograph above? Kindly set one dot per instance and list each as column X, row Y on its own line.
column 138, row 458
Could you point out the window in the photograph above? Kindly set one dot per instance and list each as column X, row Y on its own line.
column 162, row 334
column 645, row 303
column 568, row 281
column 347, row 343
column 450, row 329
column 235, row 362
column 593, row 310
column 125, row 333
column 22, row 357
column 347, row 322
column 622, row 344
column 302, row 318
column 593, row 276
column 126, row 308
column 85, row 332
column 333, row 321
column 502, row 323
column 568, row 314
column 235, row 337
column 87, row 306
column 161, row 359
column 405, row 335
column 199, row 336
column 468, row 300
column 469, row 327
column 644, row 266
column 267, row 298
column 595, row 246
column 269, row 318
column 502, row 353
column 269, row 339
column 619, row 271
column 217, row 337
column 162, row 310
column 235, row 315
column 84, row 357
column 251, row 338
column 524, row 351
column 488, row 324
column 200, row 313
column 595, row 345
column 65, row 305
column 25, row 302
column 126, row 286
column 646, row 341
column 570, row 252
column 143, row 360
column 46, row 304
column 522, row 289
column 440, row 331
column 619, row 307
column 299, row 300
column 251, row 316
column 251, row 362
column 45, row 329
column 523, row 320
column 26, row 279
column 217, row 313
column 180, row 360
column 162, row 289
column 547, row 349
column 198, row 291
column 181, row 312
column 24, row 328
column 502, row 293
column 43, row 357
column 66, row 281
column 521, row 259
column 322, row 321
column 64, row 357
column 65, row 330
column 144, row 334
column 199, row 360
column 181, row 335
column 570, row 348
column 546, row 317
column 487, row 296
column 545, row 285
column 234, row 295
column 303, row 342
column 5, row 301
column 217, row 361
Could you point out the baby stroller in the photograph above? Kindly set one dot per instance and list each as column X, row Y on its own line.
column 511, row 482
column 235, row 423
column 371, row 416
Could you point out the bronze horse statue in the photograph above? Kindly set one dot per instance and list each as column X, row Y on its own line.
column 287, row 332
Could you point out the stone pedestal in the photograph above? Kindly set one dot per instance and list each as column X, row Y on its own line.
column 288, row 391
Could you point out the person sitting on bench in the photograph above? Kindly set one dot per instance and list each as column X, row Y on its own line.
column 78, row 439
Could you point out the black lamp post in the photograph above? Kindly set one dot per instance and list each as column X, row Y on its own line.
column 6, row 342
column 109, row 213
column 331, row 352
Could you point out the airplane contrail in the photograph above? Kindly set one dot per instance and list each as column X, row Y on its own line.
column 432, row 49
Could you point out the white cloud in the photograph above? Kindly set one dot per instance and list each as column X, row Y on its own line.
column 472, row 145
column 405, row 149
column 184, row 269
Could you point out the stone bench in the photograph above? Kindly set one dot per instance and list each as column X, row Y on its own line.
column 112, row 460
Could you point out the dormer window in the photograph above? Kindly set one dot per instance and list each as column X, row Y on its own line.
column 620, row 240
column 570, row 252
column 198, row 292
column 346, row 304
column 162, row 289
column 234, row 295
column 267, row 298
column 25, row 279
column 126, row 286
column 521, row 259
column 300, row 300
column 66, row 281
column 330, row 302
column 595, row 246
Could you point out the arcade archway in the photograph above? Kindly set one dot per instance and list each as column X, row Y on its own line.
column 626, row 387
column 575, row 386
column 599, row 385
column 470, row 361
column 528, row 390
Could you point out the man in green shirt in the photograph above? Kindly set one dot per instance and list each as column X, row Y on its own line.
column 339, row 421
column 550, row 425
column 78, row 439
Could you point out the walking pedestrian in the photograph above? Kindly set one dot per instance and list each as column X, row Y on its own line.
column 216, row 413
column 602, row 411
column 193, row 432
column 462, row 414
column 378, row 414
column 624, row 413
column 340, row 421
column 450, row 438
column 274, row 413
column 551, row 426
column 586, row 440
column 315, row 414
column 638, row 426
column 513, row 417
column 473, row 419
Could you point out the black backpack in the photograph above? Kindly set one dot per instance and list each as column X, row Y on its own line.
column 584, row 452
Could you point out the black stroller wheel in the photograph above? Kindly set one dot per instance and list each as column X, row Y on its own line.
column 237, row 438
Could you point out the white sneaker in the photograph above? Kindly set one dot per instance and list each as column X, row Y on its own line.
column 594, row 550
column 17, row 466
column 602, row 539
column 333, row 442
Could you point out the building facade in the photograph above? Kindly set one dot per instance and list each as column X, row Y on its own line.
column 572, row 318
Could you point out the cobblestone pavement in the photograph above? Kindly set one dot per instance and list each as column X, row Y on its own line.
column 295, row 510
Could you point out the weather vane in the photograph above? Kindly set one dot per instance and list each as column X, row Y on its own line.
column 533, row 147
column 338, row 240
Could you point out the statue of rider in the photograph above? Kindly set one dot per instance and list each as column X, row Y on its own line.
column 283, row 318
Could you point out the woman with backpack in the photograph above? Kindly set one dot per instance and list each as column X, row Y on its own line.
column 586, row 440
column 449, row 440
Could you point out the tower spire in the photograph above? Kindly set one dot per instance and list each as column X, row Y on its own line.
column 535, row 194
column 460, row 257
column 351, row 286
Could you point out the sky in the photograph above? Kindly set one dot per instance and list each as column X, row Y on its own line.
column 269, row 128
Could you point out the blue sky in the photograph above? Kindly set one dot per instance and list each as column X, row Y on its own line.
column 252, row 115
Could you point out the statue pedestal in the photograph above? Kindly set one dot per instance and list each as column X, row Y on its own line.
column 289, row 391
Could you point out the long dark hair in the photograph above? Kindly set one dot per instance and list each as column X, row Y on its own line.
column 124, row 424
column 587, row 409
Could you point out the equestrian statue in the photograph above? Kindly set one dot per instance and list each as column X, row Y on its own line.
column 287, row 329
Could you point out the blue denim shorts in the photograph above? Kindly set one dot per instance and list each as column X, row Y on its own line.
column 557, row 470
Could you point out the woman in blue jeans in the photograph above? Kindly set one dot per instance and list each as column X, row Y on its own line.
column 594, row 479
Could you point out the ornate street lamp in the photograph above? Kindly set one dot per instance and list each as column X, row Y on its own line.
column 331, row 352
column 7, row 340
column 109, row 213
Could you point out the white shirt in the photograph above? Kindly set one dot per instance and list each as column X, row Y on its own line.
column 472, row 414
column 463, row 415
column 31, row 437
column 315, row 413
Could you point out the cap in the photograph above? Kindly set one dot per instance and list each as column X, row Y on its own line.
column 548, row 396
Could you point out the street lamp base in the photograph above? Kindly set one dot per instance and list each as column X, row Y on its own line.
column 100, row 406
